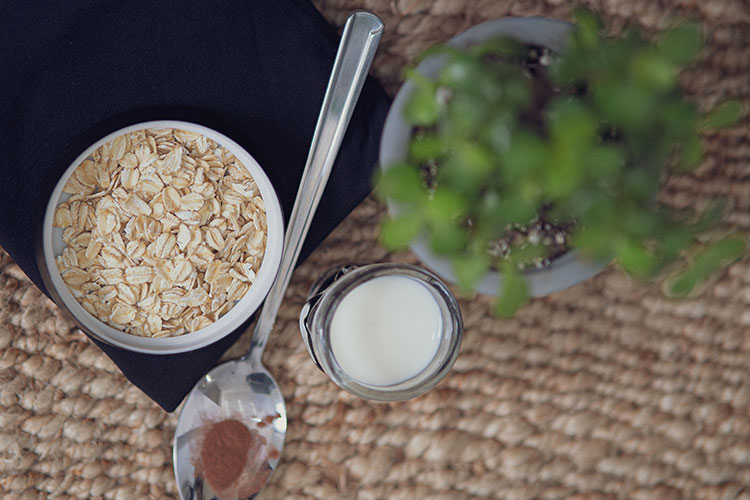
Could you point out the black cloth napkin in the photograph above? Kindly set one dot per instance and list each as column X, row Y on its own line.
column 255, row 70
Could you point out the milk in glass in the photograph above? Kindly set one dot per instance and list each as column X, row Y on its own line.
column 386, row 330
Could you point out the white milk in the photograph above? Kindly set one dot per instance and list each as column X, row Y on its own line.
column 386, row 330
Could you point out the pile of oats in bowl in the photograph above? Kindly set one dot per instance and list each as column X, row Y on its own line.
column 164, row 231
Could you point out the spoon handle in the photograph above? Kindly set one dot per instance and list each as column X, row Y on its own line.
column 356, row 50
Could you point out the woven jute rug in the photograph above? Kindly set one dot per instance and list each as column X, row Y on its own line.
column 606, row 390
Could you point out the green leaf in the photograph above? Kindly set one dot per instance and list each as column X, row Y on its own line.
column 453, row 174
column 515, row 91
column 517, row 209
column 462, row 72
column 711, row 215
column 514, row 291
column 723, row 115
column 676, row 239
column 640, row 222
column 438, row 50
column 617, row 54
column 475, row 156
column 710, row 259
column 680, row 118
column 588, row 26
column 499, row 131
column 573, row 131
column 424, row 147
column 635, row 259
column 526, row 155
column 681, row 44
column 397, row 233
column 502, row 46
column 681, row 285
column 572, row 120
column 469, row 269
column 527, row 253
column 567, row 69
column 592, row 206
column 490, row 217
column 401, row 183
column 471, row 165
column 691, row 154
column 445, row 205
column 654, row 71
column 422, row 108
column 640, row 184
column 594, row 242
column 464, row 117
column 419, row 79
column 448, row 237
column 623, row 104
column 604, row 161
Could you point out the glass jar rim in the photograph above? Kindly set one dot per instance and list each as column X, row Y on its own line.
column 451, row 335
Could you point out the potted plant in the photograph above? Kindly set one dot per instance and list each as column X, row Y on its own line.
column 526, row 153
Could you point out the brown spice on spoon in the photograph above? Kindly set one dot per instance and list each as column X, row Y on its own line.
column 226, row 450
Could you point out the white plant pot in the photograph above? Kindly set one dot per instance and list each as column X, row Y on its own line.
column 564, row 271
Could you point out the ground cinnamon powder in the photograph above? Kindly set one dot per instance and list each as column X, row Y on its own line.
column 233, row 459
column 224, row 452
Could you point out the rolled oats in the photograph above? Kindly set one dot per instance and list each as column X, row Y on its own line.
column 164, row 230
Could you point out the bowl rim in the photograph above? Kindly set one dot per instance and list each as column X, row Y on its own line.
column 228, row 323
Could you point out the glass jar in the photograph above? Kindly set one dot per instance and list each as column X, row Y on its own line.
column 325, row 298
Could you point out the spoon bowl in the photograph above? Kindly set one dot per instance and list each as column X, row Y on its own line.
column 244, row 389
column 236, row 389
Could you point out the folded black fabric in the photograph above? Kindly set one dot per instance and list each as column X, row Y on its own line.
column 72, row 72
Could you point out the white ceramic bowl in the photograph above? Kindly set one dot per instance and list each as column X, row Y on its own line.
column 53, row 245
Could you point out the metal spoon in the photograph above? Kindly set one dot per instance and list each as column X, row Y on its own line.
column 243, row 389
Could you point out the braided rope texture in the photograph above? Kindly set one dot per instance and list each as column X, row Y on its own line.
column 604, row 391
